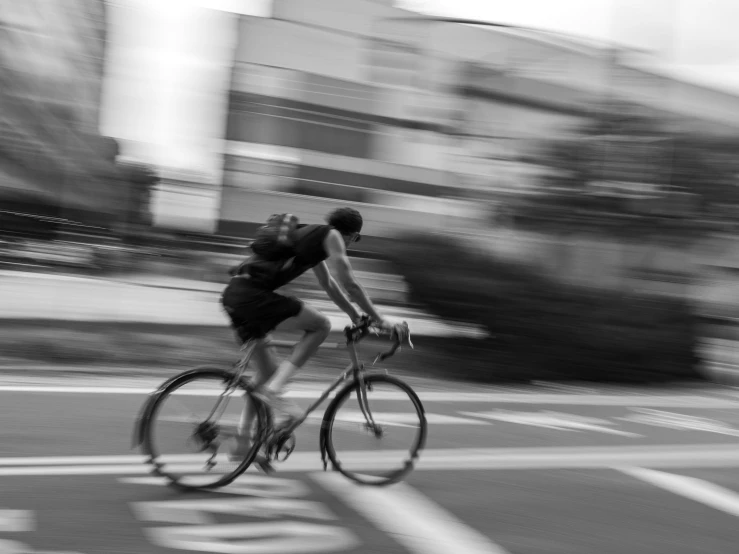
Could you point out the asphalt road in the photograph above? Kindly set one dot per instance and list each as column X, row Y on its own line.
column 540, row 471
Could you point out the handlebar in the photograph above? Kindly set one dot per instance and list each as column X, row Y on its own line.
column 399, row 333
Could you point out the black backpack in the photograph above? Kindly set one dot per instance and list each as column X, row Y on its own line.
column 273, row 249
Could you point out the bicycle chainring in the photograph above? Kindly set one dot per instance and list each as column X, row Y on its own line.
column 205, row 434
column 281, row 445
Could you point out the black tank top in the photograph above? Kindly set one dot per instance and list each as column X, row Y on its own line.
column 309, row 252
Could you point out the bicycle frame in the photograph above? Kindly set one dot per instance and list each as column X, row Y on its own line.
column 355, row 368
column 280, row 441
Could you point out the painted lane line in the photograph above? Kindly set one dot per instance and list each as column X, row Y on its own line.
column 278, row 537
column 512, row 453
column 454, row 459
column 400, row 418
column 70, row 460
column 249, row 484
column 56, row 471
column 682, row 401
column 16, row 521
column 684, row 422
column 554, row 420
column 410, row 518
column 699, row 490
column 198, row 512
column 403, row 419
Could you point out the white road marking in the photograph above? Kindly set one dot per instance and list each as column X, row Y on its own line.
column 603, row 400
column 16, row 521
column 673, row 420
column 553, row 420
column 400, row 418
column 410, row 518
column 12, row 547
column 699, row 490
column 443, row 459
column 20, row 521
column 404, row 419
column 49, row 471
column 88, row 460
column 275, row 537
column 248, row 484
column 197, row 512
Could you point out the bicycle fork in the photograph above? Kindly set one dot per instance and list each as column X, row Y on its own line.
column 370, row 423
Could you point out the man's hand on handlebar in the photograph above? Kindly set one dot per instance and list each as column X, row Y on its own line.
column 364, row 321
column 399, row 334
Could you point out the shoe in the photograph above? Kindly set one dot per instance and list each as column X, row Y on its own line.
column 284, row 411
column 242, row 449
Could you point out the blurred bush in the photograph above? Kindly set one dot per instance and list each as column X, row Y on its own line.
column 540, row 329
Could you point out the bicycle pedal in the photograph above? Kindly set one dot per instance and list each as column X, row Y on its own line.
column 264, row 464
column 286, row 448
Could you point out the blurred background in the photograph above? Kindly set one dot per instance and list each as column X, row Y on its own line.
column 549, row 191
column 585, row 152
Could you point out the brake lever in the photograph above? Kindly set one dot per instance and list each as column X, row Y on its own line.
column 397, row 344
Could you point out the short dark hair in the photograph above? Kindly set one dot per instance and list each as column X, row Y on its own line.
column 345, row 220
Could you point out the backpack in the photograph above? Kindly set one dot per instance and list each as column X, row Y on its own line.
column 273, row 249
column 275, row 239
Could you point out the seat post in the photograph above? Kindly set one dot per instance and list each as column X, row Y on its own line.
column 251, row 344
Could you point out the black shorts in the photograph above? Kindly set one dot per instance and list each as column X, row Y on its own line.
column 254, row 311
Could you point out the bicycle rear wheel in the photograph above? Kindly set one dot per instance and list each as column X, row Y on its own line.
column 193, row 449
column 379, row 454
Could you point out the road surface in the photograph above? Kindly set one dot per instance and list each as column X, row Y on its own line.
column 519, row 472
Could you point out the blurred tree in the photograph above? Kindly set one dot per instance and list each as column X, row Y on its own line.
column 626, row 164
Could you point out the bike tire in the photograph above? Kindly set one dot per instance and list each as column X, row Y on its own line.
column 327, row 446
column 154, row 403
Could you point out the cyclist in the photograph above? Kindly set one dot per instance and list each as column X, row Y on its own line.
column 255, row 309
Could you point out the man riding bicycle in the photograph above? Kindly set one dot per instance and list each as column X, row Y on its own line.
column 255, row 309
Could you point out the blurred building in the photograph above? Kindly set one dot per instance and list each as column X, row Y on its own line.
column 342, row 101
column 52, row 58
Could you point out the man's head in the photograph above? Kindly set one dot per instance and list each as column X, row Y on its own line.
column 348, row 222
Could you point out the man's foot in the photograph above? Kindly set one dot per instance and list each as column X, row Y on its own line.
column 284, row 411
column 241, row 450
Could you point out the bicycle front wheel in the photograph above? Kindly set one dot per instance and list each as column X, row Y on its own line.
column 189, row 429
column 377, row 441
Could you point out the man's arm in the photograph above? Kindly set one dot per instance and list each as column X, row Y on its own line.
column 334, row 292
column 336, row 251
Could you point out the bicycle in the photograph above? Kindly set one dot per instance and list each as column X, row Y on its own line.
column 278, row 444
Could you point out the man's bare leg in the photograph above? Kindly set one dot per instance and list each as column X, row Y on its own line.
column 274, row 377
column 316, row 328
column 266, row 363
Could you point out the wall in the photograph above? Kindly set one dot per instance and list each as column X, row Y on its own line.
column 353, row 17
column 283, row 44
column 380, row 221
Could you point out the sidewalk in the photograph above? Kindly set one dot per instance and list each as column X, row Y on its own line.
column 145, row 299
